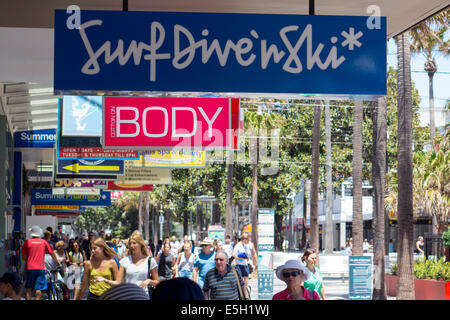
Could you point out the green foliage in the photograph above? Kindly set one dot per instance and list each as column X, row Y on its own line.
column 446, row 238
column 428, row 269
column 431, row 269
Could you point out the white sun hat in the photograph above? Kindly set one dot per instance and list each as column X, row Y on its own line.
column 293, row 264
column 35, row 232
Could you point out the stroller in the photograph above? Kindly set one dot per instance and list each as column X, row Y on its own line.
column 56, row 288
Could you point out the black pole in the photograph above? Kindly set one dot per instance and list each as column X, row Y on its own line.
column 124, row 5
column 311, row 7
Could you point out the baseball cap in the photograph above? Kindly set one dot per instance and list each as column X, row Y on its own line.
column 11, row 278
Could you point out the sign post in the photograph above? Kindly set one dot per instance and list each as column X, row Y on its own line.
column 360, row 273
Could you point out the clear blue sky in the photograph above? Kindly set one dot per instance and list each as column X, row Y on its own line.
column 441, row 82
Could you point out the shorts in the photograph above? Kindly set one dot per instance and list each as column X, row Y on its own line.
column 36, row 280
column 243, row 269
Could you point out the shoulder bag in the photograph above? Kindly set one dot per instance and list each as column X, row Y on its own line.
column 241, row 293
column 150, row 288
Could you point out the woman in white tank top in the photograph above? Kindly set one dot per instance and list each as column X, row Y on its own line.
column 185, row 262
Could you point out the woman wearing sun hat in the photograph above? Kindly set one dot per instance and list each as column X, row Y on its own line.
column 293, row 273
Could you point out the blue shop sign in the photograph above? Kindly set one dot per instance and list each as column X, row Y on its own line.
column 219, row 52
column 45, row 197
column 35, row 138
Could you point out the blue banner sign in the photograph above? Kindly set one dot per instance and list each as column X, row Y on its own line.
column 45, row 197
column 360, row 277
column 35, row 138
column 90, row 166
column 219, row 52
column 265, row 283
column 82, row 116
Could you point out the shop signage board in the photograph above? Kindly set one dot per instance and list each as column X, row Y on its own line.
column 216, row 232
column 90, row 166
column 75, row 183
column 266, row 230
column 360, row 277
column 144, row 175
column 219, row 52
column 45, row 197
column 129, row 187
column 45, row 138
column 95, row 153
column 47, row 207
column 155, row 123
column 175, row 158
column 81, row 116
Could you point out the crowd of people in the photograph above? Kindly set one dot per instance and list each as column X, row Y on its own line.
column 94, row 265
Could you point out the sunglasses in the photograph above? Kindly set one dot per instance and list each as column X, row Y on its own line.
column 293, row 273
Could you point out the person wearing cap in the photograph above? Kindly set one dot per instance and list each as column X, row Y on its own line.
column 293, row 273
column 203, row 262
column 10, row 286
column 33, row 251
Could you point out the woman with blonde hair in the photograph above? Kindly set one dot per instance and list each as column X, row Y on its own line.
column 138, row 267
column 100, row 272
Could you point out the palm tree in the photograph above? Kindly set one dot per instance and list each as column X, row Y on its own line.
column 379, row 137
column 405, row 257
column 329, row 184
column 229, row 199
column 428, row 37
column 357, row 222
column 314, row 191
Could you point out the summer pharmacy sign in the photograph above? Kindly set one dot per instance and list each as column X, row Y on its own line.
column 219, row 52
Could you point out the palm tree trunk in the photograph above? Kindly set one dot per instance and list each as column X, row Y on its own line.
column 430, row 67
column 329, row 237
column 229, row 200
column 405, row 258
column 314, row 212
column 357, row 222
column 141, row 205
column 254, row 214
column 147, row 216
column 378, row 182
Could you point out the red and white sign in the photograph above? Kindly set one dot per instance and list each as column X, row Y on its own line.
column 143, row 122
column 129, row 187
column 96, row 153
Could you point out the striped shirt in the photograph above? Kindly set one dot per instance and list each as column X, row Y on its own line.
column 222, row 287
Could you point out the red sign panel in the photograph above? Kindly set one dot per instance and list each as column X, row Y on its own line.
column 96, row 153
column 129, row 187
column 143, row 122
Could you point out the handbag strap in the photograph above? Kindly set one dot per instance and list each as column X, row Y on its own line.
column 149, row 272
column 238, row 283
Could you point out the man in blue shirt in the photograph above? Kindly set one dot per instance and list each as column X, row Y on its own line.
column 203, row 262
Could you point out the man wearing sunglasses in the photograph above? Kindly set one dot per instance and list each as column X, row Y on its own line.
column 220, row 282
column 294, row 274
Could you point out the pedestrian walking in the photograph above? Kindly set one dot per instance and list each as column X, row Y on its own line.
column 243, row 254
column 47, row 237
column 62, row 257
column 166, row 263
column 139, row 267
column 203, row 262
column 86, row 245
column 76, row 267
column 220, row 281
column 294, row 274
column 184, row 265
column 228, row 248
column 33, row 252
column 11, row 286
column 420, row 246
column 315, row 280
column 366, row 246
column 100, row 272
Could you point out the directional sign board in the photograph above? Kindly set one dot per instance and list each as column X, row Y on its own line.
column 47, row 207
column 91, row 166
column 266, row 229
column 145, row 175
column 45, row 197
column 179, row 158
column 265, row 284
